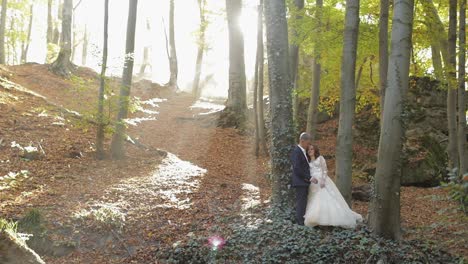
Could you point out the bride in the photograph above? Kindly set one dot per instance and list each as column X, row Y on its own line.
column 325, row 204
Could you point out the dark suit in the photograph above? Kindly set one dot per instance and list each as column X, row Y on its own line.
column 300, row 181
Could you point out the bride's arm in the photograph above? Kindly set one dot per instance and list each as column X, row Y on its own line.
column 323, row 165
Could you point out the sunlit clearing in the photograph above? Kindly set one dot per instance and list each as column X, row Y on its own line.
column 209, row 105
column 167, row 187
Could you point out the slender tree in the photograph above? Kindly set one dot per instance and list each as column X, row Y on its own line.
column 383, row 50
column 201, row 48
column 312, row 113
column 344, row 146
column 146, row 50
column 50, row 24
column 173, row 54
column 84, row 52
column 294, row 56
column 447, row 50
column 63, row 65
column 2, row 31
column 236, row 104
column 260, row 142
column 452, row 91
column 436, row 61
column 56, row 36
column 261, row 74
column 280, row 101
column 102, row 87
column 385, row 204
column 25, row 47
column 461, row 89
column 117, row 144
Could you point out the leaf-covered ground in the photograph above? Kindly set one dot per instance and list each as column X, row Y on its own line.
column 117, row 212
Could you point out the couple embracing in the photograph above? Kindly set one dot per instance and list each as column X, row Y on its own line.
column 318, row 201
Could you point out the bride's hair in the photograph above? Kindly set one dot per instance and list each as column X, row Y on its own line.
column 316, row 151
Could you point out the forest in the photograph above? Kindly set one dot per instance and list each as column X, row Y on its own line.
column 139, row 131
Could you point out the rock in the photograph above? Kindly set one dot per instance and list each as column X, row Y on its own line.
column 361, row 193
column 15, row 251
column 424, row 161
column 425, row 120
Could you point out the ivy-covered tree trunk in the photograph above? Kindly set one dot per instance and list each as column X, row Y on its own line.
column 312, row 113
column 452, row 91
column 25, row 48
column 201, row 49
column 236, row 104
column 173, row 54
column 344, row 146
column 117, row 144
column 63, row 65
column 2, row 31
column 294, row 56
column 280, row 101
column 383, row 50
column 461, row 89
column 102, row 87
column 385, row 205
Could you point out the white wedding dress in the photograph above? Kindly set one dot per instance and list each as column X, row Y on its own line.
column 326, row 206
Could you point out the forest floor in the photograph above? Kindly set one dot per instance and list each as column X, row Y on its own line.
column 117, row 211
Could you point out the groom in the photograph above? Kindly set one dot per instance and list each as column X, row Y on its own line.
column 301, row 178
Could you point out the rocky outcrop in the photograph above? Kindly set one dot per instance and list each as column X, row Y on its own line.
column 424, row 159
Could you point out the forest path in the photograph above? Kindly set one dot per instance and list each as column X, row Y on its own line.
column 209, row 175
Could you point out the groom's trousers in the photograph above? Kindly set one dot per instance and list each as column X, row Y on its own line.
column 301, row 203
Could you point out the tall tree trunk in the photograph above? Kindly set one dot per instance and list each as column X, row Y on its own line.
column 2, row 31
column 173, row 58
column 102, row 87
column 436, row 26
column 261, row 74
column 260, row 71
column 201, row 49
column 385, row 205
column 56, row 35
column 312, row 113
column 437, row 61
column 294, row 59
column 63, row 65
column 84, row 52
column 50, row 24
column 146, row 50
column 461, row 89
column 452, row 91
column 25, row 49
column 117, row 144
column 383, row 50
column 344, row 146
column 50, row 29
column 236, row 104
column 280, row 101
column 255, row 85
